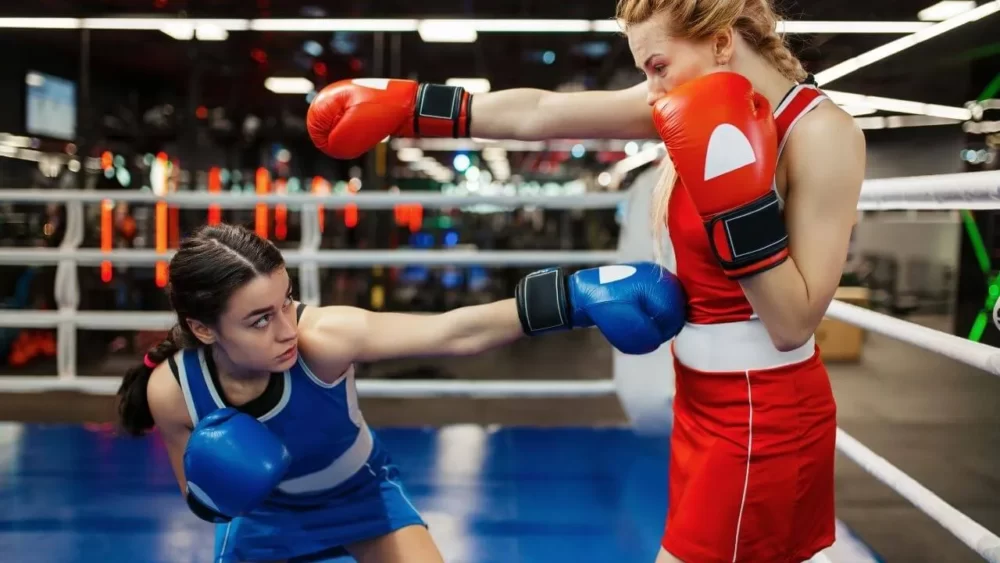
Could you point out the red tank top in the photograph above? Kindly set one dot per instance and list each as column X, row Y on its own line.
column 712, row 297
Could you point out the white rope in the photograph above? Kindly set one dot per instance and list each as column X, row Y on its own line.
column 327, row 258
column 366, row 200
column 967, row 190
column 986, row 358
column 368, row 388
column 971, row 533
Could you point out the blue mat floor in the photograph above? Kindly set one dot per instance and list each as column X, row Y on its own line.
column 71, row 494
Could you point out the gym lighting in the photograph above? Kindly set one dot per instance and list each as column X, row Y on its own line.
column 183, row 31
column 899, row 106
column 446, row 31
column 471, row 85
column 280, row 85
column 437, row 30
column 841, row 70
column 945, row 9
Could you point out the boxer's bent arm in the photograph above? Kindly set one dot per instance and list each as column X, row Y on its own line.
column 528, row 114
column 826, row 167
column 166, row 403
column 370, row 336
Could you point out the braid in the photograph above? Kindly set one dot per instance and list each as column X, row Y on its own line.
column 758, row 26
column 134, row 414
column 773, row 48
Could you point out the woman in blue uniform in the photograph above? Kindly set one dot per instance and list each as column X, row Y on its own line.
column 254, row 393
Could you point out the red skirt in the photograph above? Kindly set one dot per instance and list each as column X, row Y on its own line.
column 752, row 464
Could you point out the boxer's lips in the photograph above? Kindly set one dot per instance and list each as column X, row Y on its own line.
column 288, row 353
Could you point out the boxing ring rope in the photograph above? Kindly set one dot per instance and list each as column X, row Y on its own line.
column 975, row 190
column 970, row 532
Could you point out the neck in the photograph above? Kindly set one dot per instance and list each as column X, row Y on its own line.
column 765, row 78
column 227, row 369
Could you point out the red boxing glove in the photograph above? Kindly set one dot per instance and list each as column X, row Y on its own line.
column 722, row 140
column 350, row 117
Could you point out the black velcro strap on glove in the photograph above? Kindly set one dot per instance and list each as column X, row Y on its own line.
column 542, row 302
column 201, row 510
column 442, row 111
column 750, row 239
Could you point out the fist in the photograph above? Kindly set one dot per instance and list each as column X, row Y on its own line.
column 232, row 462
column 636, row 306
column 350, row 117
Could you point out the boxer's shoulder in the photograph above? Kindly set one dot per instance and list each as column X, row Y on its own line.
column 825, row 124
column 328, row 338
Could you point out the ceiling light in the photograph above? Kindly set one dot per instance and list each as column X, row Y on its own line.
column 891, row 48
column 850, row 27
column 211, row 32
column 156, row 24
column 900, row 121
column 280, row 85
column 40, row 23
column 899, row 106
column 532, row 26
column 857, row 110
column 446, row 31
column 944, row 10
column 333, row 25
column 471, row 85
column 181, row 31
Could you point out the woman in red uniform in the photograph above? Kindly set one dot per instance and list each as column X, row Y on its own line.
column 751, row 473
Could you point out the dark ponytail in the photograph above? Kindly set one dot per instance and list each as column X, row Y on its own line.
column 207, row 269
column 134, row 415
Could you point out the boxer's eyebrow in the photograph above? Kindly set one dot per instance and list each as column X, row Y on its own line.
column 263, row 310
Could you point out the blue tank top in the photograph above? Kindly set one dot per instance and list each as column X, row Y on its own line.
column 320, row 423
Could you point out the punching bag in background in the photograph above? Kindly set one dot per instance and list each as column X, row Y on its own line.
column 645, row 383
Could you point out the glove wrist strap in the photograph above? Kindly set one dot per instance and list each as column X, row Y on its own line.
column 542, row 302
column 442, row 111
column 203, row 511
column 751, row 238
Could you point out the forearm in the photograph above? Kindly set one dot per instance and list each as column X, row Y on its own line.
column 530, row 114
column 478, row 328
column 507, row 114
column 781, row 299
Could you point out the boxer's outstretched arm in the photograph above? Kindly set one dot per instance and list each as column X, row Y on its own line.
column 369, row 336
column 530, row 114
column 826, row 167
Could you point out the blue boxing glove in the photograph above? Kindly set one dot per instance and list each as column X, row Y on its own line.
column 637, row 306
column 232, row 462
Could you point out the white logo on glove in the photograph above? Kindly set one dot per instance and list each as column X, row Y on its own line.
column 728, row 150
column 996, row 314
column 373, row 83
column 611, row 274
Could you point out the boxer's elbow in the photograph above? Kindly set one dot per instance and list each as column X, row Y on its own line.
column 789, row 342
column 791, row 333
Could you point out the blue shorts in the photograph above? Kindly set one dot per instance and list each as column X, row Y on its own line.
column 373, row 504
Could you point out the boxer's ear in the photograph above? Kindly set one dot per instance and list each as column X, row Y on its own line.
column 723, row 44
column 202, row 332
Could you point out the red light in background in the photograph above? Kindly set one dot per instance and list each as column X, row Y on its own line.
column 214, row 186
column 263, row 183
